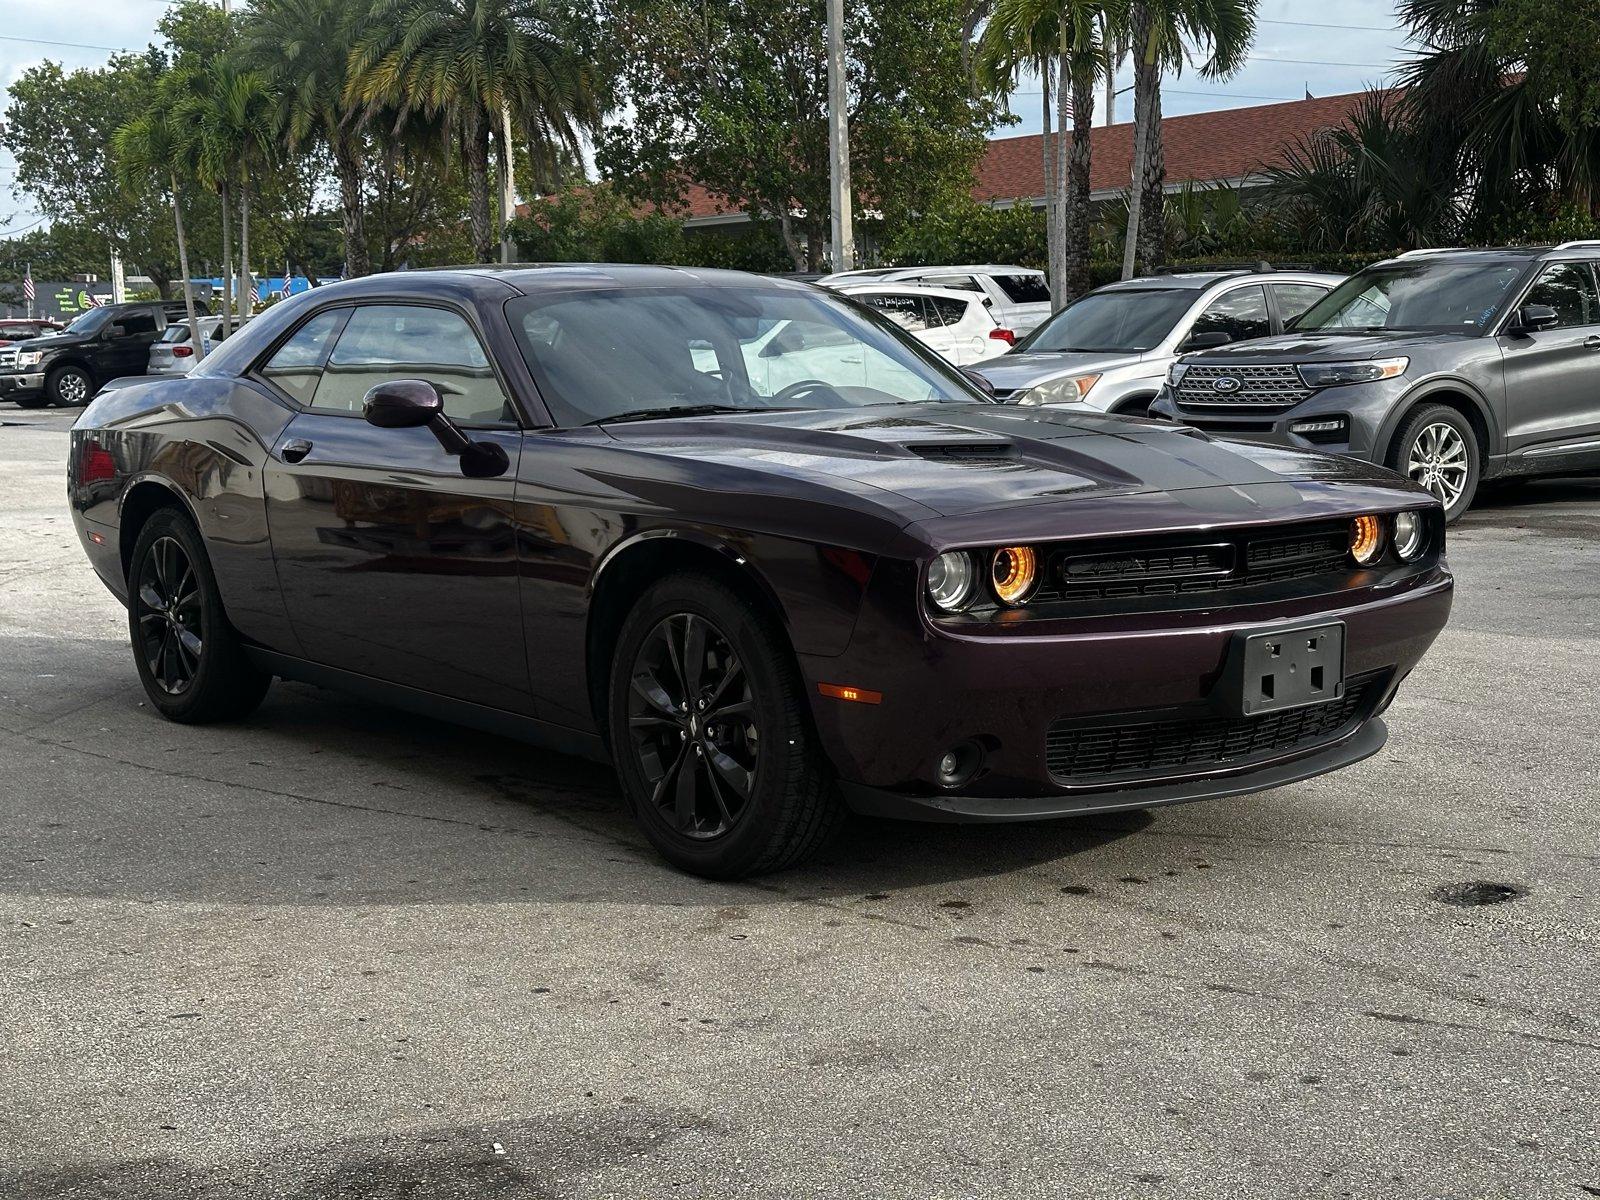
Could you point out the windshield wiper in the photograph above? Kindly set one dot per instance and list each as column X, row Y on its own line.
column 676, row 410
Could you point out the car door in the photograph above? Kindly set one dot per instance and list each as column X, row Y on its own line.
column 1552, row 375
column 964, row 326
column 124, row 347
column 910, row 311
column 1240, row 312
column 392, row 563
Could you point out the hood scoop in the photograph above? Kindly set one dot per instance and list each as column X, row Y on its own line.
column 972, row 453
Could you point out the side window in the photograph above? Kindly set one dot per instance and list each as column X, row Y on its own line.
column 1295, row 298
column 137, row 323
column 1569, row 289
column 381, row 342
column 961, row 283
column 948, row 311
column 905, row 311
column 297, row 364
column 1241, row 314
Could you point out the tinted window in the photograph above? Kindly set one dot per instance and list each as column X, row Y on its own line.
column 1024, row 289
column 1418, row 294
column 1125, row 319
column 599, row 354
column 135, row 323
column 1569, row 289
column 908, row 312
column 1295, row 298
column 403, row 341
column 297, row 364
column 947, row 311
column 1241, row 314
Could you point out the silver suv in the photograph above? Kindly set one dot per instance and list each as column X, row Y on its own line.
column 1110, row 349
column 1450, row 366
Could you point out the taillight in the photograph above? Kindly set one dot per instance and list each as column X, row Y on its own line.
column 95, row 463
column 182, row 351
column 1003, row 335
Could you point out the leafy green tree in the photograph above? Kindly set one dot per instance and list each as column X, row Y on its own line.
column 487, row 69
column 732, row 95
column 303, row 48
column 1163, row 35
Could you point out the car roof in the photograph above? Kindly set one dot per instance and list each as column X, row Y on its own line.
column 967, row 268
column 509, row 280
column 1492, row 254
column 908, row 289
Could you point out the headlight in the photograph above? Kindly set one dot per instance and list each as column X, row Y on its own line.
column 1366, row 540
column 950, row 579
column 1012, row 571
column 1410, row 536
column 1069, row 389
column 29, row 358
column 1175, row 373
column 1321, row 375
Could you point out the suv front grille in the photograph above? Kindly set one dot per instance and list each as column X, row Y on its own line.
column 1252, row 388
column 1079, row 753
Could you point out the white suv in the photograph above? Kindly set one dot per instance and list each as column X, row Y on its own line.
column 956, row 324
column 1019, row 297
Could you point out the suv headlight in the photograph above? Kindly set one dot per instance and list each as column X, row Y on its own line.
column 1068, row 389
column 1175, row 373
column 1321, row 375
column 29, row 358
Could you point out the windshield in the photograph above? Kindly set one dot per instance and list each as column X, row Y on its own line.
column 1415, row 295
column 609, row 354
column 90, row 320
column 1127, row 320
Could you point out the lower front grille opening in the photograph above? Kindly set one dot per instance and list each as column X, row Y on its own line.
column 1080, row 753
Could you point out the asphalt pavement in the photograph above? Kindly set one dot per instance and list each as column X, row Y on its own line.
column 338, row 951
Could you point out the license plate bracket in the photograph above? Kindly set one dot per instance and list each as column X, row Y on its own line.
column 1285, row 668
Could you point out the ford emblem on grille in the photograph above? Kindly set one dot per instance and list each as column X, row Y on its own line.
column 1225, row 383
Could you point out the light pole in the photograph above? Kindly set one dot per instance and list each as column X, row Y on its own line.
column 844, row 241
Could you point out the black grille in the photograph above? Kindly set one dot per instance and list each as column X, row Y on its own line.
column 966, row 452
column 1231, row 560
column 1242, row 387
column 1077, row 753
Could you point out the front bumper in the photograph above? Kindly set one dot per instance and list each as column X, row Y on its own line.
column 12, row 384
column 1359, row 408
column 1004, row 691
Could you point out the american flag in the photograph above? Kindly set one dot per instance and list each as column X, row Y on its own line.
column 27, row 286
column 90, row 300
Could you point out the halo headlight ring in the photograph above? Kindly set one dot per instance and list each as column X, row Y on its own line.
column 1366, row 540
column 1013, row 572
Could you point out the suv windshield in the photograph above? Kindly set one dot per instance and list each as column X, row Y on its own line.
column 1127, row 319
column 611, row 354
column 1424, row 294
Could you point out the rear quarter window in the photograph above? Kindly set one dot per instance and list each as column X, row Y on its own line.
column 1024, row 289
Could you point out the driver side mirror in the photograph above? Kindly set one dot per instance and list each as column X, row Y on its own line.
column 1531, row 318
column 979, row 381
column 1209, row 340
column 414, row 403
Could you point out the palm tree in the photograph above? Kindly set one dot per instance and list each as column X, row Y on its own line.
column 485, row 67
column 1164, row 33
column 1051, row 35
column 232, row 123
column 149, row 147
column 303, row 48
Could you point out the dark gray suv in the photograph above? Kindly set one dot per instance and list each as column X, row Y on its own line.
column 1450, row 366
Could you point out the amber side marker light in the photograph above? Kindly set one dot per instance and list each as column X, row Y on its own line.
column 839, row 691
column 1366, row 540
column 1012, row 572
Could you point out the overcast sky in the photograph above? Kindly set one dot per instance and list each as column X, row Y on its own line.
column 1329, row 48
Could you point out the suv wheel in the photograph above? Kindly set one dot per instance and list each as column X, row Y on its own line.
column 712, row 736
column 69, row 385
column 1438, row 449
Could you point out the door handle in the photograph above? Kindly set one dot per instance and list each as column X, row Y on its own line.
column 1592, row 342
column 295, row 449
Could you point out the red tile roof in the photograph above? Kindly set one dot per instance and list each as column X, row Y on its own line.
column 1204, row 147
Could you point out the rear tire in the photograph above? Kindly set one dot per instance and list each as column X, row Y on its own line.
column 189, row 658
column 69, row 386
column 1438, row 449
column 712, row 735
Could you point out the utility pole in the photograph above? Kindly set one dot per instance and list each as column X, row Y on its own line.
column 508, row 185
column 844, row 240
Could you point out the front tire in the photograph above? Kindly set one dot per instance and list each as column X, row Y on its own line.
column 712, row 737
column 189, row 658
column 69, row 386
column 1438, row 449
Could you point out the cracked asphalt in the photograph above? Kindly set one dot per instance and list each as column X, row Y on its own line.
column 339, row 951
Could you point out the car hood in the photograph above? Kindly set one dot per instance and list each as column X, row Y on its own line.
column 1322, row 347
column 1012, row 372
column 52, row 340
column 931, row 460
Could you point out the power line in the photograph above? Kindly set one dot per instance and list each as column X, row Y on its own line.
column 1327, row 25
column 1315, row 62
column 69, row 45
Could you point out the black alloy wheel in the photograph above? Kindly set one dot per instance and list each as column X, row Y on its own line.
column 168, row 614
column 190, row 659
column 692, row 725
column 711, row 731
